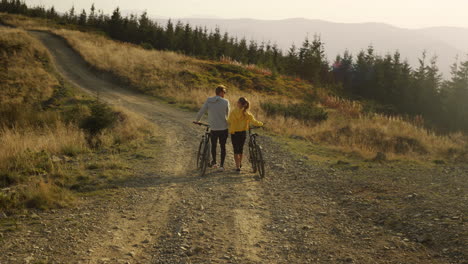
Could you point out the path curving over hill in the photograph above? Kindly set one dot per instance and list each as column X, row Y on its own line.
column 170, row 210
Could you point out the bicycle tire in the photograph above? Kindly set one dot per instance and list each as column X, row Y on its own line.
column 205, row 159
column 199, row 153
column 252, row 157
column 260, row 162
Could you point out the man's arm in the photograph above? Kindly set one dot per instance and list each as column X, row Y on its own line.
column 229, row 119
column 201, row 112
column 228, row 109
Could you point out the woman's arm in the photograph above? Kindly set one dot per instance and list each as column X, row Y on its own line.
column 254, row 121
column 229, row 119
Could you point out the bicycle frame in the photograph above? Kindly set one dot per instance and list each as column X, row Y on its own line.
column 255, row 154
column 203, row 150
column 252, row 136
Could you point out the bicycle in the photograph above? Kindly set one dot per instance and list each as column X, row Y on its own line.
column 203, row 154
column 255, row 154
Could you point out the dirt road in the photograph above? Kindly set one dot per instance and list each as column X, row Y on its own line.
column 168, row 214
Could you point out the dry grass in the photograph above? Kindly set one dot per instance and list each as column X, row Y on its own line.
column 130, row 129
column 18, row 145
column 24, row 78
column 29, row 166
column 25, row 83
column 148, row 70
column 349, row 108
column 371, row 134
column 157, row 72
column 251, row 67
column 37, row 193
column 36, row 139
column 25, row 22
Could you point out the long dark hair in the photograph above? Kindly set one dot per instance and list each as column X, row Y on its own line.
column 245, row 104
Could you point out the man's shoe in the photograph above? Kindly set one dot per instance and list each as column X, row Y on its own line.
column 221, row 169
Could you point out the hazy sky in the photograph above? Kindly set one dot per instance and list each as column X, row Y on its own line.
column 403, row 13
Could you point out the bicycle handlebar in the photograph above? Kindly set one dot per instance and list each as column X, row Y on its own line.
column 201, row 124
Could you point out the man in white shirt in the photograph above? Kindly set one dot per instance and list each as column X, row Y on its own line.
column 218, row 111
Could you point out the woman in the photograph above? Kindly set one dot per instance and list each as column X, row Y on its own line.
column 239, row 120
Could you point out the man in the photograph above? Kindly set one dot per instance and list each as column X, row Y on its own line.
column 218, row 111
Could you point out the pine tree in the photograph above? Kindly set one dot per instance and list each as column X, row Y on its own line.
column 292, row 61
column 456, row 90
column 116, row 24
column 276, row 58
column 242, row 51
column 169, row 36
column 343, row 71
column 178, row 36
column 92, row 16
column 83, row 18
column 187, row 40
column 252, row 52
column 72, row 16
column 52, row 14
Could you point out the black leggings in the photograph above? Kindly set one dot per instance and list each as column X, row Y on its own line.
column 238, row 141
column 222, row 135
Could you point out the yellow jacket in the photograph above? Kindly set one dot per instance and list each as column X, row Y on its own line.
column 238, row 121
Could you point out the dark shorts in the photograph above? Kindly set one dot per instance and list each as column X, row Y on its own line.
column 238, row 141
column 221, row 136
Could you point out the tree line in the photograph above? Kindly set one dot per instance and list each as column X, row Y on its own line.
column 388, row 81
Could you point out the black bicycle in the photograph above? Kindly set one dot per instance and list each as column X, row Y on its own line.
column 203, row 154
column 255, row 154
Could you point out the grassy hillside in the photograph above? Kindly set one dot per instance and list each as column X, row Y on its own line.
column 46, row 128
column 290, row 106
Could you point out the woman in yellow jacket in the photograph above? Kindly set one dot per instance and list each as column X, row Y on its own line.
column 239, row 120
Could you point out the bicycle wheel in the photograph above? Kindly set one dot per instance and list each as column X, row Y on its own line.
column 252, row 158
column 199, row 153
column 260, row 162
column 205, row 158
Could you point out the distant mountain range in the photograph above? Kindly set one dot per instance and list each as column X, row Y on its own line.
column 445, row 42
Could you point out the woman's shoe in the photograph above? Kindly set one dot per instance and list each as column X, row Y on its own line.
column 212, row 164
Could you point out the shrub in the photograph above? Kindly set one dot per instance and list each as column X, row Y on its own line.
column 241, row 81
column 102, row 117
column 190, row 77
column 302, row 111
column 8, row 178
column 146, row 46
column 76, row 113
column 44, row 195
